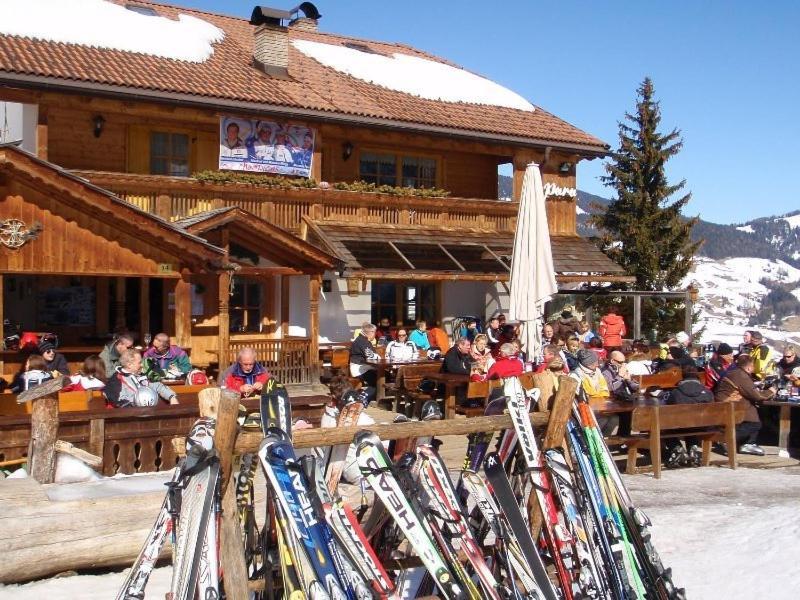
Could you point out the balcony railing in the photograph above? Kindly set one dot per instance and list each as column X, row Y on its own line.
column 178, row 197
column 287, row 359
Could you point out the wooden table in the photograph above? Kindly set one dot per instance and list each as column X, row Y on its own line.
column 784, row 423
column 381, row 365
column 452, row 382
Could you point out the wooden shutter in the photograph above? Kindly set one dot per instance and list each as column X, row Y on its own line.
column 207, row 151
column 138, row 156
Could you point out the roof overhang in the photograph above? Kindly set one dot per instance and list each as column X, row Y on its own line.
column 40, row 82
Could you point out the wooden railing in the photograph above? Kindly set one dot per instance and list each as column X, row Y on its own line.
column 287, row 359
column 178, row 197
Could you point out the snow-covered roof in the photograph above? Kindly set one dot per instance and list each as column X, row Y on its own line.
column 101, row 24
column 413, row 75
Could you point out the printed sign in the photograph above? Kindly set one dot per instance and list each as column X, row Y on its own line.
column 265, row 146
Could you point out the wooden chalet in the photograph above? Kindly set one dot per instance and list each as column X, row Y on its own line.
column 128, row 238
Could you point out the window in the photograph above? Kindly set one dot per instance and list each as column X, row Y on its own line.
column 380, row 169
column 169, row 153
column 404, row 303
column 419, row 172
column 391, row 169
column 245, row 306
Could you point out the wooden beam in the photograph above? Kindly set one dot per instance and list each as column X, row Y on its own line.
column 144, row 308
column 285, row 296
column 309, row 438
column 316, row 159
column 224, row 319
column 314, row 287
column 267, row 271
column 42, row 133
column 183, row 312
column 44, row 434
column 120, row 321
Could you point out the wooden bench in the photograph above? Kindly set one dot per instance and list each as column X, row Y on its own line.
column 654, row 424
column 407, row 382
column 478, row 391
column 664, row 380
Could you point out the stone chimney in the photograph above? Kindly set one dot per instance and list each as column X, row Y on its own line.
column 304, row 24
column 271, row 52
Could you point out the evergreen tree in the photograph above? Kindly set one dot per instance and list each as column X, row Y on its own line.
column 642, row 228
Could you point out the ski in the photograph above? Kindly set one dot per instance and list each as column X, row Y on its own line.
column 276, row 408
column 348, row 417
column 377, row 469
column 501, row 487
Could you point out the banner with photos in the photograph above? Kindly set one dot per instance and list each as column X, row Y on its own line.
column 264, row 146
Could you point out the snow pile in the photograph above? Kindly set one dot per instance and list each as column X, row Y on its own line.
column 413, row 75
column 726, row 534
column 730, row 293
column 105, row 25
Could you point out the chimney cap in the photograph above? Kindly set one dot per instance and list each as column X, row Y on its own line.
column 265, row 14
column 309, row 10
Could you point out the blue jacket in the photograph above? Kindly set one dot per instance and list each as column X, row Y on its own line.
column 420, row 339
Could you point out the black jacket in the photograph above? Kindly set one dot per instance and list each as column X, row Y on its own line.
column 59, row 363
column 361, row 350
column 455, row 362
column 689, row 391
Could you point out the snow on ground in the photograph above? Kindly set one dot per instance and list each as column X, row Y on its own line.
column 105, row 25
column 746, row 228
column 85, row 587
column 726, row 534
column 793, row 221
column 730, row 292
column 413, row 75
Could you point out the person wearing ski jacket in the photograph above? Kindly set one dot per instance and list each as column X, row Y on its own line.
column 585, row 333
column 165, row 361
column 361, row 352
column 112, row 351
column 92, row 376
column 719, row 365
column 763, row 358
column 54, row 361
column 566, row 325
column 437, row 338
column 458, row 359
column 493, row 332
column 401, row 349
column 621, row 386
column 738, row 386
column 128, row 386
column 246, row 376
column 612, row 330
column 420, row 336
column 689, row 390
column 507, row 363
column 550, row 352
column 593, row 385
column 789, row 365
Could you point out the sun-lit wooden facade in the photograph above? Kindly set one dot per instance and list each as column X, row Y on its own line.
column 99, row 126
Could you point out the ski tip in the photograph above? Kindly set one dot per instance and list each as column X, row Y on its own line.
column 365, row 437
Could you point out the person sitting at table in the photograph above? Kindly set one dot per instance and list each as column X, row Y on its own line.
column 401, row 349
column 763, row 357
column 361, row 352
column 33, row 372
column 789, row 366
column 128, row 386
column 507, row 364
column 592, row 385
column 548, row 334
column 165, row 361
column 621, row 386
column 481, row 355
column 550, row 352
column 458, row 359
column 383, row 333
column 721, row 362
column 585, row 333
column 688, row 391
column 91, row 376
column 112, row 351
column 570, row 352
column 54, row 361
column 639, row 362
column 737, row 386
column 246, row 376
column 420, row 336
column 596, row 345
column 437, row 337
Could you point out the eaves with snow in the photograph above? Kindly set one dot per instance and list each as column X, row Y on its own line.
column 100, row 24
column 413, row 75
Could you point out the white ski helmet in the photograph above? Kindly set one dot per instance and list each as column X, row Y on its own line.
column 146, row 396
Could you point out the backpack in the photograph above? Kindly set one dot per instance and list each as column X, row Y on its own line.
column 196, row 377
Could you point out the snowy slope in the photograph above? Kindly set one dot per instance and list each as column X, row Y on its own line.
column 730, row 293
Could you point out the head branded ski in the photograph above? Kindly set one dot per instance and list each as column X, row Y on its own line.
column 377, row 469
column 291, row 491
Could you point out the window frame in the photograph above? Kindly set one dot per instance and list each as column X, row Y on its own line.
column 398, row 158
column 401, row 303
column 248, row 305
column 171, row 132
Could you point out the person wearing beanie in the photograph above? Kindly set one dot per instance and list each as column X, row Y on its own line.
column 764, row 362
column 721, row 362
column 593, row 386
column 54, row 361
column 567, row 325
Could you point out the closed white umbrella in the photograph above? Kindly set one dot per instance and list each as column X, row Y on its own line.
column 533, row 278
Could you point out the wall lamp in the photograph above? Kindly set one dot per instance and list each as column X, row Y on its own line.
column 99, row 124
column 347, row 150
column 565, row 167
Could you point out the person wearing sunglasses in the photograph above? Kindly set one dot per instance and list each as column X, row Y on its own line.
column 402, row 349
column 54, row 361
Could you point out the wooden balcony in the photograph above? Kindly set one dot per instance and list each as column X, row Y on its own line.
column 178, row 197
column 287, row 359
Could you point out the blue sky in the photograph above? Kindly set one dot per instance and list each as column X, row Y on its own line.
column 726, row 74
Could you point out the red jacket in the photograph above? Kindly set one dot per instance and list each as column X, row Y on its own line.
column 234, row 378
column 612, row 328
column 505, row 367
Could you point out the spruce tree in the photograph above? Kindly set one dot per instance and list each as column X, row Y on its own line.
column 642, row 228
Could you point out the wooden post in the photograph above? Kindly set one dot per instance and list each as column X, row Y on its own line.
column 44, row 429
column 223, row 406
column 285, row 295
column 316, row 159
column 120, row 322
column 687, row 319
column 144, row 307
column 183, row 312
column 553, row 437
column 41, row 133
column 224, row 320
column 314, row 286
column 97, row 436
column 637, row 317
column 520, row 164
